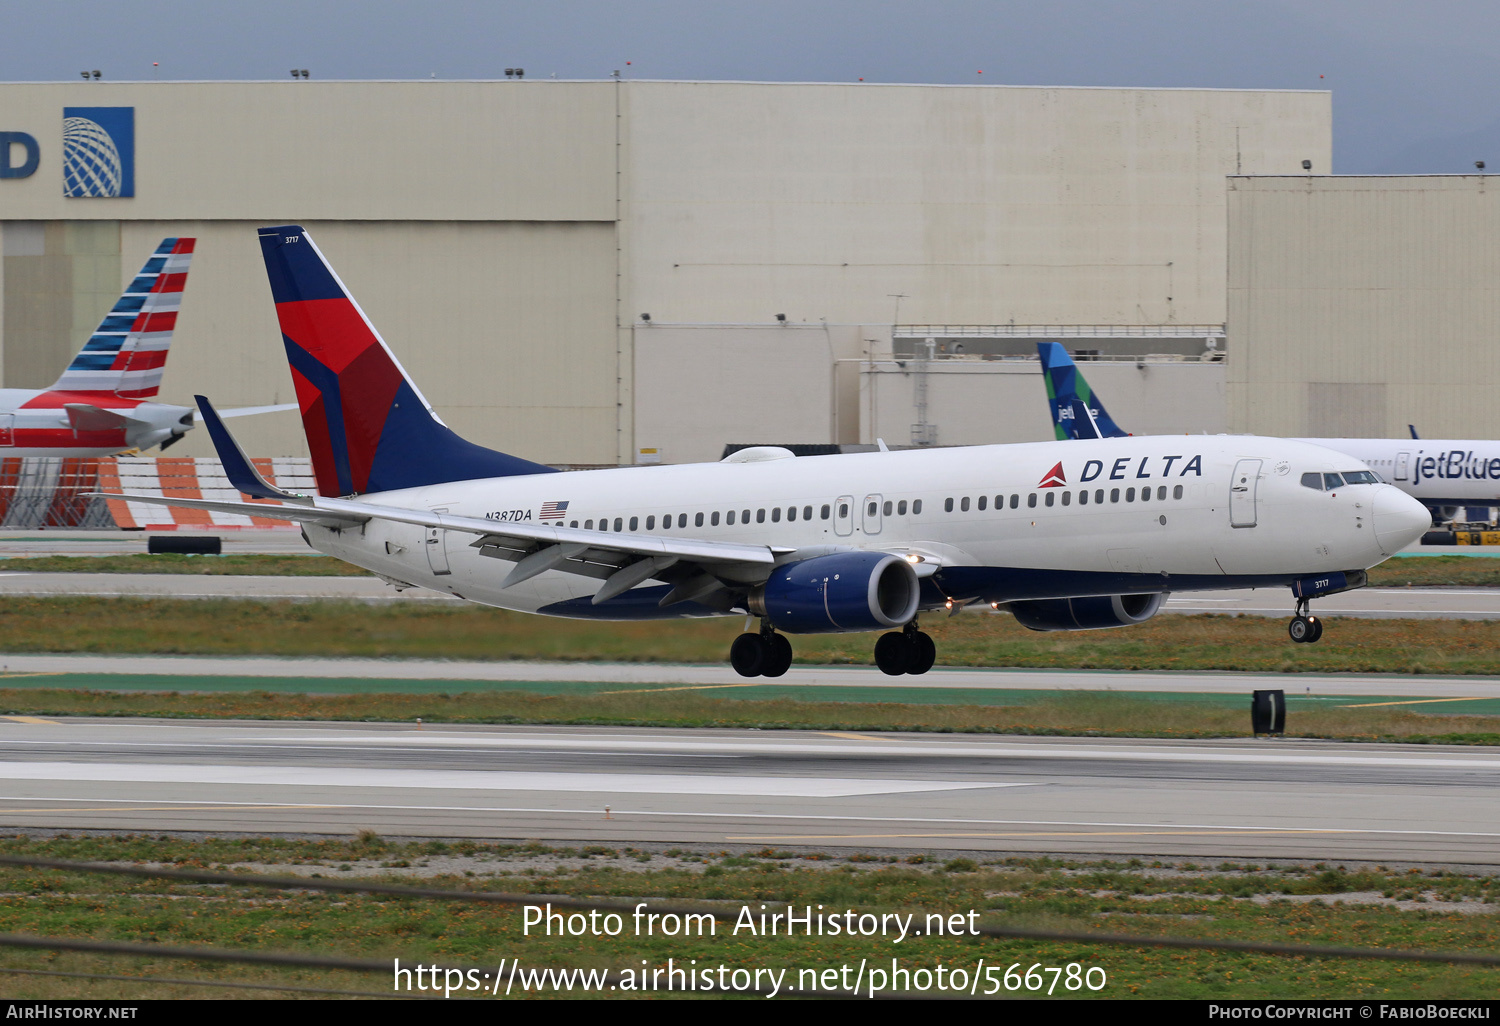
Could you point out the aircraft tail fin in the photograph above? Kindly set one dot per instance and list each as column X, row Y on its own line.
column 368, row 426
column 1076, row 410
column 126, row 354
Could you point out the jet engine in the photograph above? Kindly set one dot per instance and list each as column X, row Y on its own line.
column 843, row 591
column 1087, row 614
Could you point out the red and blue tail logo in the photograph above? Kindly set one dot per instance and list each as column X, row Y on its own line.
column 368, row 427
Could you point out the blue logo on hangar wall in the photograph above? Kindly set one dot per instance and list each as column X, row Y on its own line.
column 98, row 151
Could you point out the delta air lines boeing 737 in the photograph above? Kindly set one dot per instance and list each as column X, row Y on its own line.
column 1064, row 536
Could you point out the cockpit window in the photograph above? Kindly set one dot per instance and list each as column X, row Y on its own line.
column 1312, row 481
column 1332, row 481
column 1360, row 477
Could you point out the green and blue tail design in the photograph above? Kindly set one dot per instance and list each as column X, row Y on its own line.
column 1076, row 410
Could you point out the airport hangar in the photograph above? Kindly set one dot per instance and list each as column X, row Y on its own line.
column 593, row 273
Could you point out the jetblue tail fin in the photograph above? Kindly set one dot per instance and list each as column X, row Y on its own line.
column 1076, row 410
column 126, row 354
column 368, row 427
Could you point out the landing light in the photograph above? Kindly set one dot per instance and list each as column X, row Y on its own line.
column 912, row 557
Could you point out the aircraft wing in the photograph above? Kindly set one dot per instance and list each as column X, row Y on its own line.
column 621, row 560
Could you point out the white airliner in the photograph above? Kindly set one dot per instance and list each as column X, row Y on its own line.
column 1442, row 474
column 1065, row 536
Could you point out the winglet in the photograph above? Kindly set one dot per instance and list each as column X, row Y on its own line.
column 237, row 466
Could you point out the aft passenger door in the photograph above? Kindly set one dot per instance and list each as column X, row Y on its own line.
column 437, row 549
column 870, row 521
column 1242, row 493
column 843, row 516
column 1403, row 459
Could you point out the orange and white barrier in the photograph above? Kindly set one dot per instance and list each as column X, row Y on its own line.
column 188, row 477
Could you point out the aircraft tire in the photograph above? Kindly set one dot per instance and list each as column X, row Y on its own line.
column 778, row 656
column 1300, row 629
column 923, row 653
column 748, row 655
column 893, row 654
column 1317, row 630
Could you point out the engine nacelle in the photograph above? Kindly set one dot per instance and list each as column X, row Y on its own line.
column 843, row 591
column 1087, row 614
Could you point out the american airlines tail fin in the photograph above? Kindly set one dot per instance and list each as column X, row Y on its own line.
column 1076, row 410
column 368, row 427
column 126, row 354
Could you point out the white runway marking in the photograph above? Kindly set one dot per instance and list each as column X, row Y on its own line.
column 482, row 780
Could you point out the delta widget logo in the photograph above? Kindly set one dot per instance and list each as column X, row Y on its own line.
column 98, row 151
column 1054, row 478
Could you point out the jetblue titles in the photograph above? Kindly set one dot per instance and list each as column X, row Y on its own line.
column 1455, row 464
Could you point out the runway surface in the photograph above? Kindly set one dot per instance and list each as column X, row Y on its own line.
column 1210, row 799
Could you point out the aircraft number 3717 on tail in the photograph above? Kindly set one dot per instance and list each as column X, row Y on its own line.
column 1066, row 536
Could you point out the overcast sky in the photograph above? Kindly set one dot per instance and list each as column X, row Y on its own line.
column 1414, row 84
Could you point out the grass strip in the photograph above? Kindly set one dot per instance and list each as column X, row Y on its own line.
column 1064, row 713
column 1318, row 904
column 128, row 626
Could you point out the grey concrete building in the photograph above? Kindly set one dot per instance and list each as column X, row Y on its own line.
column 510, row 240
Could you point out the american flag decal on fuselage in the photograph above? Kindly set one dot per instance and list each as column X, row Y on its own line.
column 553, row 511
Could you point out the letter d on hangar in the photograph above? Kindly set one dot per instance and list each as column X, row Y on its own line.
column 9, row 140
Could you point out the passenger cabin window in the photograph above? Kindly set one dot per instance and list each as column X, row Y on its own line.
column 900, row 508
column 651, row 523
column 682, row 519
column 588, row 525
column 983, row 500
column 963, row 504
column 826, row 510
column 760, row 516
column 947, row 506
column 872, row 509
column 1114, row 495
column 916, row 506
column 730, row 520
column 635, row 523
column 806, row 512
column 698, row 520
column 776, row 514
column 1051, row 498
column 1177, row 491
column 744, row 516
column 1161, row 491
column 714, row 519
column 619, row 525
column 1031, row 501
column 843, row 510
column 791, row 512
column 1098, row 495
column 1015, row 501
column 888, row 507
column 1130, row 495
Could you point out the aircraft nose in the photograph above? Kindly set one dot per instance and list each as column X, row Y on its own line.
column 1399, row 519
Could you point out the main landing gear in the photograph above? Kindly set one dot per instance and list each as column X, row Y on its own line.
column 1304, row 628
column 907, row 651
column 766, row 654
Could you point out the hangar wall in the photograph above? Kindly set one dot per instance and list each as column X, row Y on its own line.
column 505, row 236
column 1359, row 305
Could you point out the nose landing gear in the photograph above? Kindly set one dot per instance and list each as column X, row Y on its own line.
column 1304, row 628
column 909, row 651
column 766, row 654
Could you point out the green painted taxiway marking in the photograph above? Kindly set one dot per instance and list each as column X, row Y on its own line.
column 743, row 691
